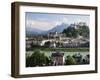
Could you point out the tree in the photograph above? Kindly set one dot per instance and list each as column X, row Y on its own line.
column 28, row 62
column 74, row 32
column 83, row 31
column 37, row 59
column 70, row 60
column 47, row 44
column 70, row 32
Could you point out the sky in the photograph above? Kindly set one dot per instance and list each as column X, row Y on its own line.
column 47, row 21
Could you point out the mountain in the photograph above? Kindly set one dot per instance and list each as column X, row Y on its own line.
column 58, row 28
column 32, row 31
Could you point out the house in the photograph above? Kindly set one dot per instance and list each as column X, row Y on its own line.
column 53, row 45
column 28, row 43
column 55, row 35
column 57, row 58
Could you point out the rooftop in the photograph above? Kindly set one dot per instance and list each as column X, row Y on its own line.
column 57, row 54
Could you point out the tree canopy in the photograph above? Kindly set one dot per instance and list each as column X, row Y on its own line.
column 83, row 31
column 70, row 32
column 74, row 32
column 70, row 60
column 37, row 59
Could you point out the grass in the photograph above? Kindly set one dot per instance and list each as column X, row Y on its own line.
column 63, row 49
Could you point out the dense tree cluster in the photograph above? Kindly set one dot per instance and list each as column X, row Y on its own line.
column 74, row 32
column 70, row 60
column 83, row 31
column 77, row 59
column 71, row 32
column 37, row 59
column 40, row 59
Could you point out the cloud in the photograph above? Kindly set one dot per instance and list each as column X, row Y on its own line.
column 79, row 20
column 39, row 24
column 65, row 20
column 57, row 23
column 43, row 24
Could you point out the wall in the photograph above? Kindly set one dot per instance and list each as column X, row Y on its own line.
column 5, row 40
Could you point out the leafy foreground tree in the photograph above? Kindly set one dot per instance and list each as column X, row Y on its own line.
column 70, row 61
column 37, row 59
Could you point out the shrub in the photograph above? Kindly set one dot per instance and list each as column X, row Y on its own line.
column 70, row 60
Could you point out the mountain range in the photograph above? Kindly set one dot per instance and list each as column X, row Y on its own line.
column 58, row 28
column 34, row 31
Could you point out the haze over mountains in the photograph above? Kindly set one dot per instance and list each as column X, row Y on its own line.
column 34, row 31
column 58, row 28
